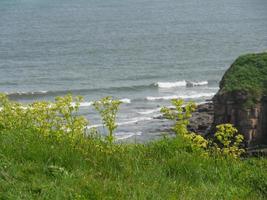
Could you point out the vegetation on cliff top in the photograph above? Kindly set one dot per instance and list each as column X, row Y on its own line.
column 249, row 74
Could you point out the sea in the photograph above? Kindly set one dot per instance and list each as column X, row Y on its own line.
column 143, row 52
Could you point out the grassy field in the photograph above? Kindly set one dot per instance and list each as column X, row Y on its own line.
column 36, row 167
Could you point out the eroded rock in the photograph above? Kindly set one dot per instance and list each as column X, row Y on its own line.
column 242, row 100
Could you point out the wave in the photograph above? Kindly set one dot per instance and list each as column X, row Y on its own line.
column 200, row 83
column 42, row 92
column 52, row 93
column 171, row 84
column 125, row 100
column 147, row 112
column 183, row 83
column 31, row 94
column 18, row 95
column 125, row 135
column 192, row 96
column 90, row 103
column 132, row 121
column 84, row 104
column 94, row 126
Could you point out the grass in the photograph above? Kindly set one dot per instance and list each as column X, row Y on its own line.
column 44, row 154
column 33, row 166
column 249, row 74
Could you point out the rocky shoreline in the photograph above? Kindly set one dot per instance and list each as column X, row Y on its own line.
column 202, row 119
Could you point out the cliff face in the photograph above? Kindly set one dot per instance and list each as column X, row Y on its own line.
column 251, row 121
column 242, row 100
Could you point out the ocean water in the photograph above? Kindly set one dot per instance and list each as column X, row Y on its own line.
column 143, row 52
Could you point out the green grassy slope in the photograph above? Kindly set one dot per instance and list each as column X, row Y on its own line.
column 33, row 166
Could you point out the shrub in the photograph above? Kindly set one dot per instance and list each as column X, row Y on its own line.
column 227, row 141
column 52, row 119
column 108, row 109
column 181, row 115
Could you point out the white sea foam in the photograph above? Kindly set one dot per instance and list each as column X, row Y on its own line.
column 162, row 98
column 125, row 100
column 94, row 126
column 183, row 83
column 26, row 93
column 125, row 135
column 84, row 104
column 134, row 120
column 90, row 103
column 171, row 84
column 200, row 83
column 201, row 103
column 131, row 121
column 189, row 96
column 147, row 112
column 43, row 92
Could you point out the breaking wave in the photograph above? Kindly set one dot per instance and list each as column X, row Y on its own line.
column 193, row 84
column 131, row 121
column 171, row 84
column 147, row 112
column 183, row 83
column 125, row 100
column 192, row 96
column 125, row 135
column 163, row 85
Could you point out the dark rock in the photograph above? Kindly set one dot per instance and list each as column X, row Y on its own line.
column 250, row 121
column 202, row 119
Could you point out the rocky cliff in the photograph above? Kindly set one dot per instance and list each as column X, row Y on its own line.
column 242, row 99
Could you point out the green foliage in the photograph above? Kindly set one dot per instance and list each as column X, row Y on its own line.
column 45, row 155
column 108, row 109
column 249, row 74
column 52, row 119
column 181, row 116
column 228, row 140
